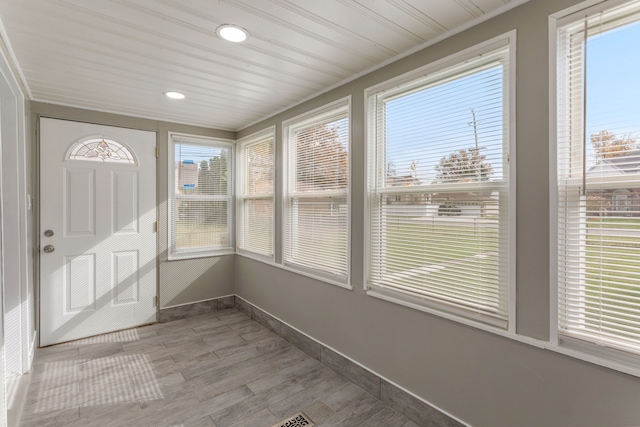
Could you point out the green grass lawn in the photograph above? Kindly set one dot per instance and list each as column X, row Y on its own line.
column 418, row 243
column 612, row 276
column 193, row 234
column 444, row 258
column 621, row 223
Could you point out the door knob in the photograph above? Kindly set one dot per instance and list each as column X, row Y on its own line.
column 48, row 249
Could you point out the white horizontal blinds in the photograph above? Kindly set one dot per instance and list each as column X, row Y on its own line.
column 201, row 199
column 599, row 177
column 439, row 189
column 316, row 205
column 255, row 201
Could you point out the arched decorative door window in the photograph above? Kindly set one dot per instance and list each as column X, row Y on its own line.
column 101, row 149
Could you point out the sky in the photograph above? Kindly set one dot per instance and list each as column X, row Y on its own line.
column 417, row 125
column 613, row 82
column 426, row 125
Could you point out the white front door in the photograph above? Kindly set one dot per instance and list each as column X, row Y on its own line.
column 97, row 217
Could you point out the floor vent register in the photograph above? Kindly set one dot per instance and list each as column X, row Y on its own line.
column 298, row 420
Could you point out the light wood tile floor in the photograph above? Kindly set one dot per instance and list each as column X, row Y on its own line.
column 221, row 370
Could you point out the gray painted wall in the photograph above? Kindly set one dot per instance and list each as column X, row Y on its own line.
column 479, row 377
column 484, row 379
column 183, row 281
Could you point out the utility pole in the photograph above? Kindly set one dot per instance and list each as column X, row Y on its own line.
column 474, row 123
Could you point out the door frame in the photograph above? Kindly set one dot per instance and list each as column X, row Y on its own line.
column 95, row 118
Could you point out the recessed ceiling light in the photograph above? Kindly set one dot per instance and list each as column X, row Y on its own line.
column 174, row 95
column 232, row 33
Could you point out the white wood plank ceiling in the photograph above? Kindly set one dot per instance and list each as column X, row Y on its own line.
column 121, row 55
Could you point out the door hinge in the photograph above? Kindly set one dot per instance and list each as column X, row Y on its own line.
column 157, row 152
column 155, row 301
column 155, row 227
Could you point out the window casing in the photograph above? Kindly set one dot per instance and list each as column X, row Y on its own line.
column 440, row 215
column 316, row 205
column 598, row 182
column 254, row 196
column 200, row 196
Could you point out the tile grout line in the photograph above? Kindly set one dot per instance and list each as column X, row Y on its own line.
column 172, row 365
column 450, row 419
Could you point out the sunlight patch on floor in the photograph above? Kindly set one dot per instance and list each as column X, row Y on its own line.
column 127, row 335
column 109, row 380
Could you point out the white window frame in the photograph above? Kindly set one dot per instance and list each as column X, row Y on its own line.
column 211, row 251
column 605, row 356
column 288, row 127
column 242, row 196
column 462, row 316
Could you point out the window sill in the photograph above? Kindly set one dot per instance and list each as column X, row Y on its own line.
column 417, row 304
column 187, row 256
column 257, row 257
column 577, row 350
column 293, row 269
column 344, row 285
column 611, row 358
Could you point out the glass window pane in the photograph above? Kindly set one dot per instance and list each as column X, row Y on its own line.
column 201, row 199
column 200, row 224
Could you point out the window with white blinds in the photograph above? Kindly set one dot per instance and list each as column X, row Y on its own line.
column 439, row 187
column 255, row 194
column 316, row 201
column 200, row 196
column 598, row 177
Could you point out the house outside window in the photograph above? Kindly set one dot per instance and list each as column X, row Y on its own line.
column 598, row 181
column 200, row 196
column 440, row 212
column 621, row 202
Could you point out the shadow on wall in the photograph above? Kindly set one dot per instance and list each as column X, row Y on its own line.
column 185, row 281
column 91, row 311
column 193, row 280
